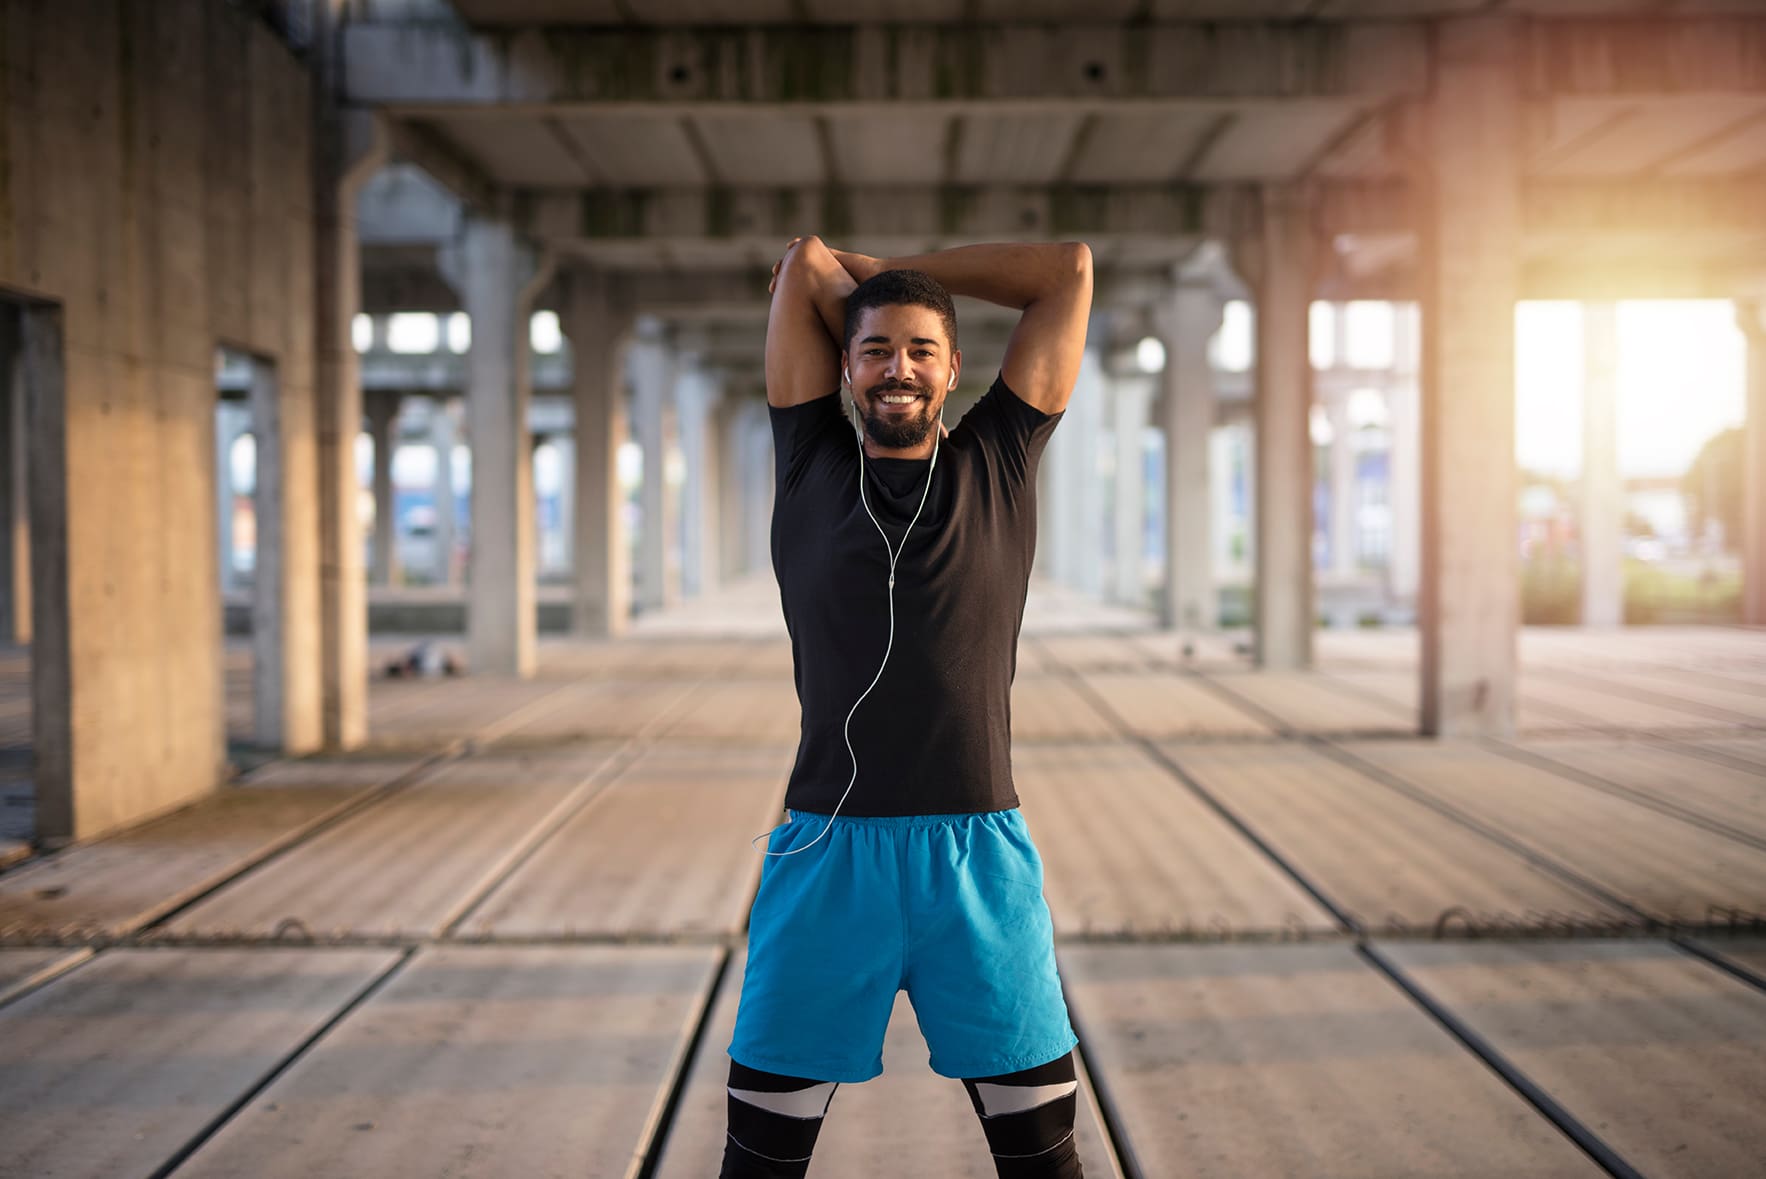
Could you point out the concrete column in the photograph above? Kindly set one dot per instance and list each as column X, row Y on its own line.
column 698, row 395
column 498, row 276
column 285, row 689
column 1071, row 498
column 232, row 422
column 1186, row 322
column 1091, row 399
column 1468, row 604
column 726, row 440
column 1053, row 510
column 17, row 545
column 1342, row 482
column 1279, row 266
column 1131, row 399
column 564, row 446
column 1403, row 462
column 598, row 326
column 347, row 152
column 757, row 497
column 42, row 347
column 652, row 374
column 1603, row 516
column 1751, row 315
column 383, row 417
column 442, row 433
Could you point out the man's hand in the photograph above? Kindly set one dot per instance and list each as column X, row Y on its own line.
column 859, row 266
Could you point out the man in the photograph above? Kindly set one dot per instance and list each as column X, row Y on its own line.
column 902, row 555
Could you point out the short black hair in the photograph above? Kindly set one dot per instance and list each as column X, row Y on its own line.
column 894, row 288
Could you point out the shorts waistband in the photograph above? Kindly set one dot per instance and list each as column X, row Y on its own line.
column 898, row 822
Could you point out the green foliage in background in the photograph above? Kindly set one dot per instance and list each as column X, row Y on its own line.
column 1712, row 486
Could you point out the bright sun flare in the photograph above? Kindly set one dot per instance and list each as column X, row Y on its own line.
column 1681, row 378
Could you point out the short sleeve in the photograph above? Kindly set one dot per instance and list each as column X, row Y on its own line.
column 800, row 432
column 1011, row 429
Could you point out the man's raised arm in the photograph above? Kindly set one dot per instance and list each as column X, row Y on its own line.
column 1051, row 283
column 805, row 324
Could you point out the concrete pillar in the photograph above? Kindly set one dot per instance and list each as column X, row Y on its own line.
column 15, row 545
column 564, row 446
column 598, row 326
column 1070, row 499
column 698, row 395
column 1751, row 315
column 1468, row 604
column 1090, row 399
column 1404, row 461
column 653, row 379
column 498, row 277
column 757, row 497
column 232, row 422
column 43, row 358
column 1131, row 399
column 347, row 151
column 16, row 548
column 726, row 440
column 1603, row 515
column 286, row 704
column 1053, row 512
column 1186, row 322
column 442, row 434
column 383, row 417
column 11, row 395
column 1278, row 265
column 1342, row 484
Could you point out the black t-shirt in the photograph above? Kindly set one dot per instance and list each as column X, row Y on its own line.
column 934, row 735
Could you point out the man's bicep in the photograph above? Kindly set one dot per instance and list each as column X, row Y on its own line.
column 1042, row 360
column 802, row 356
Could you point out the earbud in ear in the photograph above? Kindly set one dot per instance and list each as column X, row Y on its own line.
column 953, row 383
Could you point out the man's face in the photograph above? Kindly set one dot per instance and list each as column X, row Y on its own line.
column 900, row 366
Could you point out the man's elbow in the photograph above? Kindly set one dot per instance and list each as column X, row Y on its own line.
column 1076, row 261
column 807, row 257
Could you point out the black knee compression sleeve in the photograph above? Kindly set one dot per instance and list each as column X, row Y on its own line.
column 774, row 1121
column 1028, row 1118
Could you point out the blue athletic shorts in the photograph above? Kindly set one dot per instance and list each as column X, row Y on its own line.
column 948, row 908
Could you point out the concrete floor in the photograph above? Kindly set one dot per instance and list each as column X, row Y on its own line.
column 507, row 939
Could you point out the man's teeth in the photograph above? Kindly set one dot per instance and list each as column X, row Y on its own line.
column 898, row 398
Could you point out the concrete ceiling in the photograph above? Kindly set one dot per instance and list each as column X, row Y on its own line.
column 514, row 13
column 691, row 136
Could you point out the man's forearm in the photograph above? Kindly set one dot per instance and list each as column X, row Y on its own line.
column 1010, row 274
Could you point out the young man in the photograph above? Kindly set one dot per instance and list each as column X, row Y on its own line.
column 902, row 555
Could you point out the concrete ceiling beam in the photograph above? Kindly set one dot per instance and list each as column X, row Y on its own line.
column 436, row 67
column 765, row 217
column 415, row 144
column 1706, row 54
column 429, row 66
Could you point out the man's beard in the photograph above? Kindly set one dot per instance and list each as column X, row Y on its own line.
column 894, row 431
